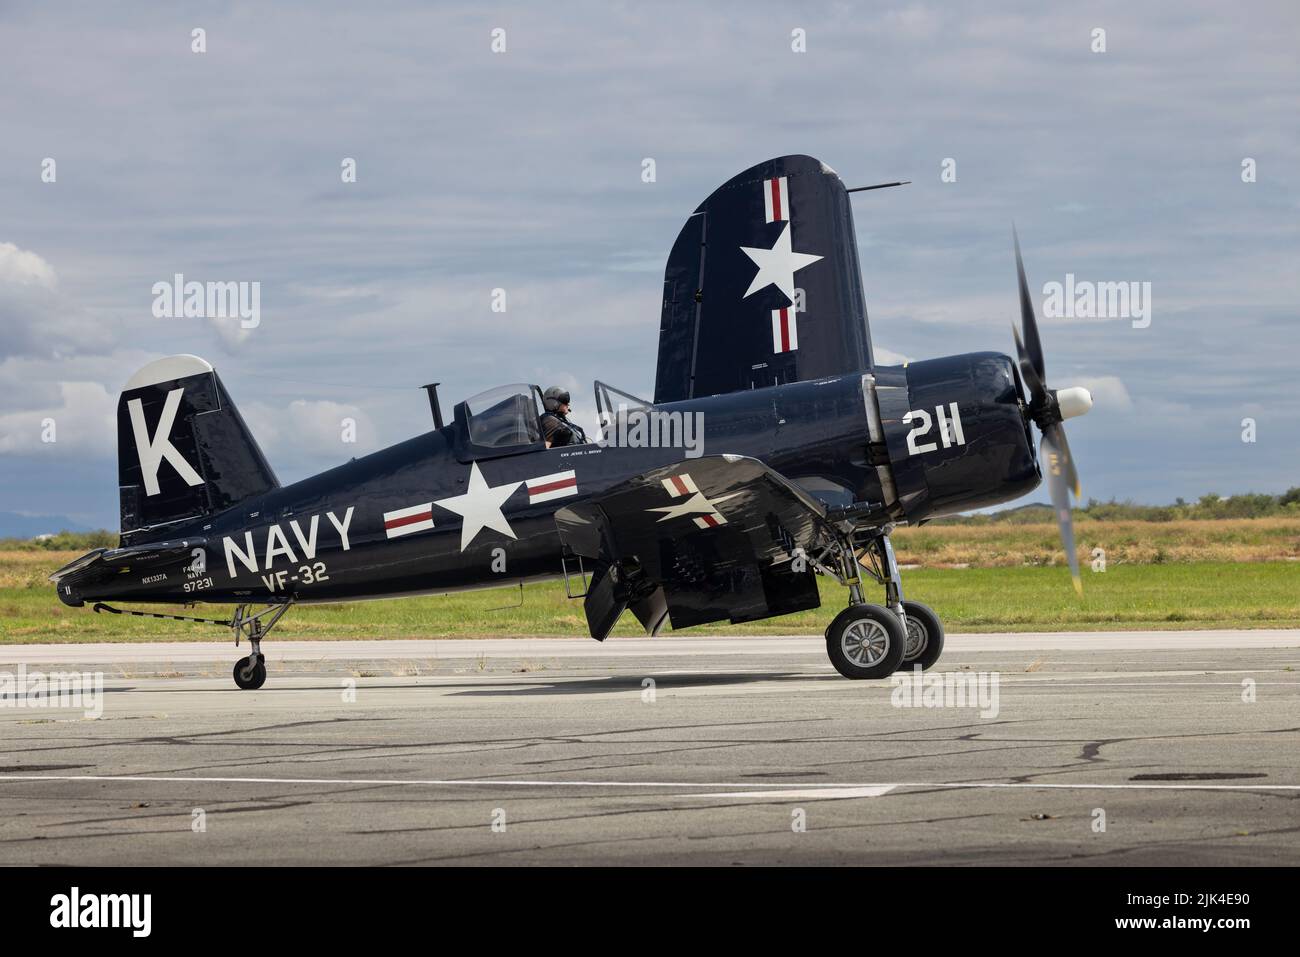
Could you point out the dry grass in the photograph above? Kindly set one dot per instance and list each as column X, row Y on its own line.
column 31, row 569
column 1125, row 543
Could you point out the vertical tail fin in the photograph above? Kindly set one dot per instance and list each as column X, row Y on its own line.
column 763, row 285
column 183, row 450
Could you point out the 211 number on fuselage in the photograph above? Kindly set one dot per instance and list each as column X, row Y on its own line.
column 950, row 432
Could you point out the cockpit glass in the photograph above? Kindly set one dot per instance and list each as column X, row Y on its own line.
column 614, row 409
column 504, row 417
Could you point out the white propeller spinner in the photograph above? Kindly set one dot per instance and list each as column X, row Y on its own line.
column 1073, row 401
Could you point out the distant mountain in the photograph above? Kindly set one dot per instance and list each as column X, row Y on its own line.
column 13, row 525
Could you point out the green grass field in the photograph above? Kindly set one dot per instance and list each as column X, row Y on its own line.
column 1022, row 598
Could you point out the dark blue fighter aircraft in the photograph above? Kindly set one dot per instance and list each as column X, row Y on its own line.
column 806, row 455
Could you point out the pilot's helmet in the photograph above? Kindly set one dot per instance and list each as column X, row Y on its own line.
column 554, row 397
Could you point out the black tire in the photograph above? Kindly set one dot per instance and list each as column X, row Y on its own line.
column 865, row 641
column 923, row 629
column 248, row 676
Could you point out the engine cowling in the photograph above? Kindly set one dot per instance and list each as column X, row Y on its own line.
column 956, row 433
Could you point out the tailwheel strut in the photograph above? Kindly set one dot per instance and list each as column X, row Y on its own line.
column 250, row 671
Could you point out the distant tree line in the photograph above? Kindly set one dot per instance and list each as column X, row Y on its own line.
column 1211, row 506
column 62, row 541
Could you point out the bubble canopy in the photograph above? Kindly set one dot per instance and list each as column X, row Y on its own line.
column 504, row 417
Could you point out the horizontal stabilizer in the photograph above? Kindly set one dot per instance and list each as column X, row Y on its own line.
column 102, row 565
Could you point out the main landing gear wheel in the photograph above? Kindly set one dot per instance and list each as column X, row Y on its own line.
column 924, row 636
column 865, row 641
column 249, row 675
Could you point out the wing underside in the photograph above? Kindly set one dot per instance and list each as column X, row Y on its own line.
column 718, row 538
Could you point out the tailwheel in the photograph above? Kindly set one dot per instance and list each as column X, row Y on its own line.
column 250, row 672
column 924, row 636
column 865, row 641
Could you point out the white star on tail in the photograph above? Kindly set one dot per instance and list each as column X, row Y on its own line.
column 777, row 266
column 480, row 507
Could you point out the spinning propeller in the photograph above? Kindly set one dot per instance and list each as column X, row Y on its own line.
column 1048, row 408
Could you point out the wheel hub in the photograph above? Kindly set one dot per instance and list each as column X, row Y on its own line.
column 865, row 642
column 917, row 638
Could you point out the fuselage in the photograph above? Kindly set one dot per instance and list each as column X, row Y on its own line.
column 327, row 538
column 441, row 512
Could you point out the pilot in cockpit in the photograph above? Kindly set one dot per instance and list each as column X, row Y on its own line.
column 557, row 430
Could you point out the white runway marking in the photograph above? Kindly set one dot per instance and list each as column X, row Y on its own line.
column 816, row 794
column 743, row 786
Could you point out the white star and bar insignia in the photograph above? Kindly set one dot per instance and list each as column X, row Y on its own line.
column 777, row 266
column 694, row 503
column 482, row 505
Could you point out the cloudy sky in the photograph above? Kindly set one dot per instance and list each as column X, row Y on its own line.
column 522, row 171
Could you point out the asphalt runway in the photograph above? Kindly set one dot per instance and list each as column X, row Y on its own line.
column 1114, row 749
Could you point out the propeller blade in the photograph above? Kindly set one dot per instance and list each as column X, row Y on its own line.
column 1028, row 320
column 1057, row 460
column 1033, row 384
column 1071, row 473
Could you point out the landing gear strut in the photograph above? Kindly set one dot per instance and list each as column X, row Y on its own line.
column 864, row 640
column 250, row 672
column 874, row 641
column 921, row 626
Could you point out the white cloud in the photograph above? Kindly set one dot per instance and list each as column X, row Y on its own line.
column 231, row 332
column 308, row 429
column 84, row 421
column 888, row 357
column 1108, row 392
column 23, row 267
column 36, row 317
